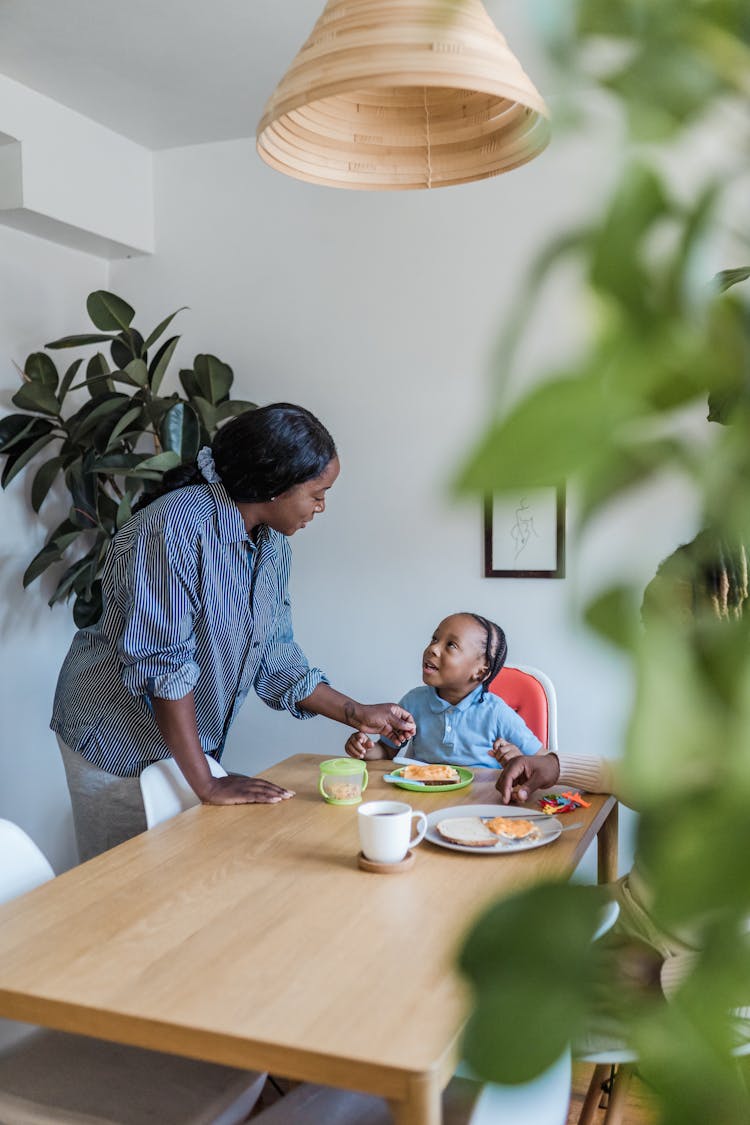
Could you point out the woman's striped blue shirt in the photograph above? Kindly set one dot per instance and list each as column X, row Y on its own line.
column 190, row 604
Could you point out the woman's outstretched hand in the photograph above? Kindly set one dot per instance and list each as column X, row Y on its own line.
column 388, row 719
column 521, row 776
column 238, row 790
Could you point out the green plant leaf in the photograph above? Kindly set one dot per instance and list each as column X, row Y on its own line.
column 614, row 615
column 21, row 429
column 214, row 378
column 36, row 396
column 190, row 383
column 43, row 481
column 39, row 368
column 129, row 417
column 18, row 460
column 128, row 345
column 124, row 512
column 501, row 957
column 117, row 462
column 109, row 312
column 96, row 370
column 85, row 420
column 181, row 432
column 232, row 408
column 727, row 278
column 158, row 366
column 83, row 487
column 57, row 542
column 67, row 379
column 88, row 610
column 80, row 341
column 137, row 372
column 160, row 328
column 160, row 462
column 78, row 576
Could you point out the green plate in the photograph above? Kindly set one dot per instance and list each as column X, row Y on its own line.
column 465, row 778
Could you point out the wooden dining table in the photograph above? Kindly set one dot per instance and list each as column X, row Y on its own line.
column 248, row 935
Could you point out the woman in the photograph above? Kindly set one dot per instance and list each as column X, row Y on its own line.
column 196, row 612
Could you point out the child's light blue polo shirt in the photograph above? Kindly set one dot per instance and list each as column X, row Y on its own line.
column 462, row 734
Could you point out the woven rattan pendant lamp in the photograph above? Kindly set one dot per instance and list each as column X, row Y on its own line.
column 396, row 94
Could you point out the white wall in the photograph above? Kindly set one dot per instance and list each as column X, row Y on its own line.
column 43, row 288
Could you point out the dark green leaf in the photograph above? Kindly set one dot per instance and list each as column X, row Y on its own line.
column 214, row 378
column 40, row 369
column 35, row 396
column 124, row 512
column 88, row 610
column 78, row 576
column 83, row 486
column 96, row 368
column 18, row 460
column 190, row 383
column 158, row 366
column 40, row 562
column 137, row 372
column 77, row 341
column 117, row 462
column 92, row 413
column 161, row 462
column 504, row 973
column 232, row 408
column 67, row 379
column 160, row 328
column 727, row 278
column 206, row 412
column 43, row 481
column 20, row 430
column 122, row 425
column 108, row 312
column 180, row 431
column 128, row 345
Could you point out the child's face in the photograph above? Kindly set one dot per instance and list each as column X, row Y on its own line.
column 455, row 659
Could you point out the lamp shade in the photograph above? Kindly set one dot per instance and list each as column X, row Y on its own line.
column 397, row 94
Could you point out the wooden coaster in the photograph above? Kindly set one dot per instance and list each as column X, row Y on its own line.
column 386, row 868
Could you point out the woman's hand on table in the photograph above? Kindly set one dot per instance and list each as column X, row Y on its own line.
column 238, row 790
column 388, row 719
column 522, row 775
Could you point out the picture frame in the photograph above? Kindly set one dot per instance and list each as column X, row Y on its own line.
column 524, row 533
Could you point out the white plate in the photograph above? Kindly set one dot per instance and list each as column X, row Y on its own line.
column 549, row 829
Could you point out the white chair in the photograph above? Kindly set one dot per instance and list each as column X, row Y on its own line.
column 165, row 791
column 531, row 694
column 53, row 1078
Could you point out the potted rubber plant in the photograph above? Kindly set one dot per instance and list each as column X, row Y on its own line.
column 111, row 441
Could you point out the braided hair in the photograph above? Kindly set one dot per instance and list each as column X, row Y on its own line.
column 495, row 651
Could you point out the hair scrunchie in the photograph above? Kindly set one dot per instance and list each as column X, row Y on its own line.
column 207, row 466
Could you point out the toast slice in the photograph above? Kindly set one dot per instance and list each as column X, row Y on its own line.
column 468, row 830
column 512, row 827
column 430, row 774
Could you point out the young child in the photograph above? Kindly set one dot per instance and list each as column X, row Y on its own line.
column 459, row 723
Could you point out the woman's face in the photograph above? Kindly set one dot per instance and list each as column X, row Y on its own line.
column 294, row 509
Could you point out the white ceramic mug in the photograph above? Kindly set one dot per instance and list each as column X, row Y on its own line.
column 385, row 828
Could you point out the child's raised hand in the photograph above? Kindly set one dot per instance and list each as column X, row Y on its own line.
column 358, row 745
column 504, row 751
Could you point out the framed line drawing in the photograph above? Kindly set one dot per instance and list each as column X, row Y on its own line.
column 524, row 534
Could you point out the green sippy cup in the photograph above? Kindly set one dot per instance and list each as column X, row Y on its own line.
column 342, row 781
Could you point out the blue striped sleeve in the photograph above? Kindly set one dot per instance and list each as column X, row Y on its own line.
column 284, row 677
column 157, row 644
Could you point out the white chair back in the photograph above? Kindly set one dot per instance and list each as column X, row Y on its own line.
column 22, row 865
column 165, row 791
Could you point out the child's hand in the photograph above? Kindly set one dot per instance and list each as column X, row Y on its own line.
column 358, row 745
column 504, row 751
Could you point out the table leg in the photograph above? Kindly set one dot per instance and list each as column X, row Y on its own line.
column 423, row 1104
column 607, row 846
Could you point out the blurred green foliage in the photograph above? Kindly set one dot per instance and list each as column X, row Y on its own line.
column 662, row 338
column 113, row 444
